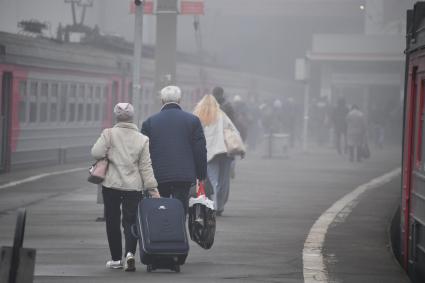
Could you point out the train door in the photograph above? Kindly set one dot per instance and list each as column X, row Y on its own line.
column 5, row 120
column 413, row 179
column 407, row 162
column 417, row 184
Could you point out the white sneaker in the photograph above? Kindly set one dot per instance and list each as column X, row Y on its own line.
column 130, row 262
column 114, row 264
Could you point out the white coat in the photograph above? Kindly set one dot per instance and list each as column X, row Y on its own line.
column 130, row 166
column 214, row 135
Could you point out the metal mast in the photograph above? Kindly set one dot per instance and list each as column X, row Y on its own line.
column 137, row 58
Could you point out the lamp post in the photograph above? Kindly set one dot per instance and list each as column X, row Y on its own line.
column 137, row 57
column 166, row 43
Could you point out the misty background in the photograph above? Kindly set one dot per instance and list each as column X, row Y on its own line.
column 262, row 37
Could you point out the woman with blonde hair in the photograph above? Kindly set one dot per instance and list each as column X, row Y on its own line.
column 219, row 156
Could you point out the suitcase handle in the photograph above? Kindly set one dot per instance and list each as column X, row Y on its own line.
column 146, row 194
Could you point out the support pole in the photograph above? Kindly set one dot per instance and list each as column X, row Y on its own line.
column 74, row 18
column 83, row 15
column 137, row 58
column 166, row 44
column 198, row 39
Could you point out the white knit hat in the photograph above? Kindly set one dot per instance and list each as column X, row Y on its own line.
column 124, row 112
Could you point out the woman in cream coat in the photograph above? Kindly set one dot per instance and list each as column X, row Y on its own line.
column 129, row 172
column 214, row 121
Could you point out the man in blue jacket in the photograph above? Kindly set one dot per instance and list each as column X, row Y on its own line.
column 177, row 147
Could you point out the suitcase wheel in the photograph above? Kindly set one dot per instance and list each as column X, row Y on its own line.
column 176, row 268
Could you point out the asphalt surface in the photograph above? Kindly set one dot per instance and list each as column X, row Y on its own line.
column 260, row 237
column 358, row 249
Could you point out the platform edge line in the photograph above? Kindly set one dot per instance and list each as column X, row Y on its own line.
column 38, row 177
column 314, row 269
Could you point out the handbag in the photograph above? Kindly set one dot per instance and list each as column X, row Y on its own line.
column 233, row 140
column 202, row 222
column 97, row 171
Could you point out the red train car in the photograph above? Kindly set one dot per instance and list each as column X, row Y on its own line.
column 55, row 96
column 413, row 172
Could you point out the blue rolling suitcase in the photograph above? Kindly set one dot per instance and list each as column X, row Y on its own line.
column 162, row 233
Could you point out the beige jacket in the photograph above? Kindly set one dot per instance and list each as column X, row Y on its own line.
column 130, row 166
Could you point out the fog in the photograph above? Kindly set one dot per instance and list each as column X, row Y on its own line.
column 352, row 48
column 314, row 95
column 257, row 36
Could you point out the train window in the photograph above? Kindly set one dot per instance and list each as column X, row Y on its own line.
column 81, row 96
column 423, row 135
column 97, row 101
column 43, row 101
column 130, row 92
column 63, row 101
column 89, row 104
column 22, row 101
column 54, row 93
column 146, row 98
column 33, row 102
column 105, row 103
column 115, row 93
column 71, row 102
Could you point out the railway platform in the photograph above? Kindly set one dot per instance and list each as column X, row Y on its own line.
column 261, row 237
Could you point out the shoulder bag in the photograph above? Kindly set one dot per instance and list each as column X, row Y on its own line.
column 97, row 171
column 232, row 138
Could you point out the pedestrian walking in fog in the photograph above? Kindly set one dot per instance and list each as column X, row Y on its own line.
column 356, row 133
column 215, row 121
column 290, row 120
column 339, row 116
column 177, row 147
column 272, row 117
column 254, row 122
column 228, row 109
column 242, row 119
column 319, row 119
column 226, row 106
column 128, row 173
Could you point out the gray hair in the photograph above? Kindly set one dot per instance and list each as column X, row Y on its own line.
column 171, row 94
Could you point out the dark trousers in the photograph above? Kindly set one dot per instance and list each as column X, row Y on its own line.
column 114, row 200
column 178, row 190
column 338, row 135
column 358, row 149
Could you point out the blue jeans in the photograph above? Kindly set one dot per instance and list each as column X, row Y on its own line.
column 219, row 177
